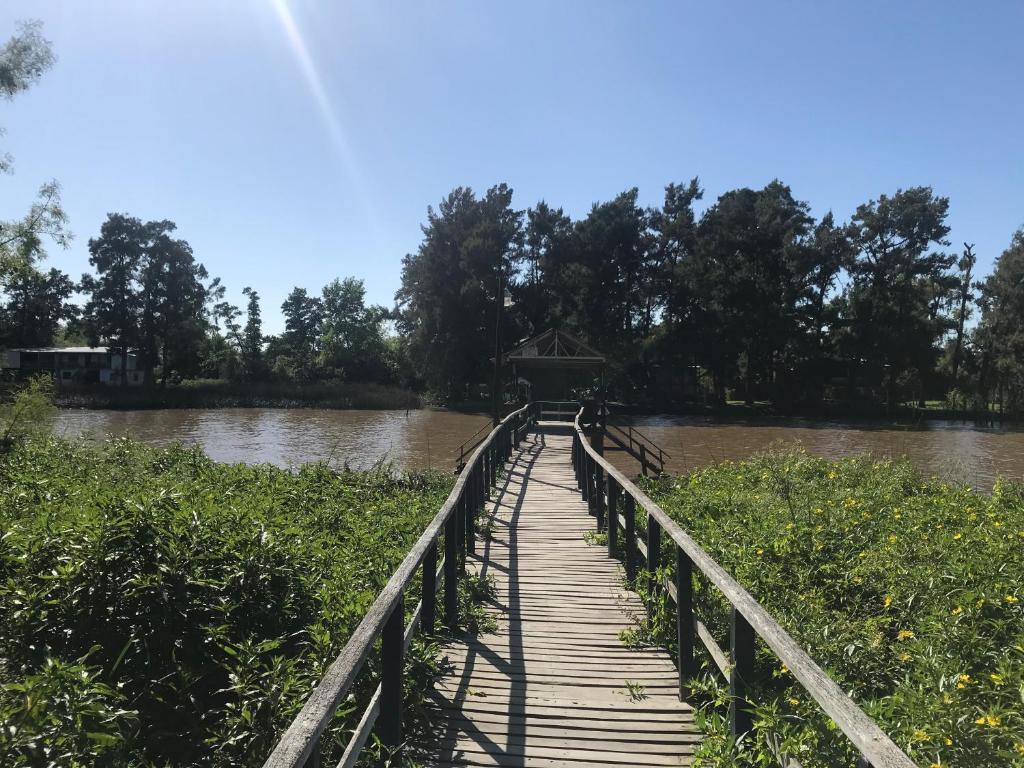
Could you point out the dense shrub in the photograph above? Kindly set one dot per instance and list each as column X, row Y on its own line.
column 908, row 591
column 157, row 608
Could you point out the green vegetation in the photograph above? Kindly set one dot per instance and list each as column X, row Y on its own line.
column 157, row 608
column 908, row 591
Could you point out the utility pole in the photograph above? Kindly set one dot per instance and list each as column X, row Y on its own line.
column 495, row 389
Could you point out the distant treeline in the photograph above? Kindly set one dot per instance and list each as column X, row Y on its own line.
column 752, row 300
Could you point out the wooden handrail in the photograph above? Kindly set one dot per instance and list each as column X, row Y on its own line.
column 748, row 616
column 299, row 746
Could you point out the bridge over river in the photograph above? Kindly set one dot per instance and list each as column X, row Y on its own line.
column 554, row 686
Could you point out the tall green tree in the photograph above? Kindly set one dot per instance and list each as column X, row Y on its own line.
column 745, row 281
column 447, row 301
column 251, row 343
column 173, row 299
column 899, row 281
column 303, row 317
column 352, row 343
column 541, row 293
column 1000, row 332
column 38, row 304
column 113, row 310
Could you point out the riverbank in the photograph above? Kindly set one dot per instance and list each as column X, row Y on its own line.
column 908, row 590
column 859, row 411
column 212, row 393
column 157, row 607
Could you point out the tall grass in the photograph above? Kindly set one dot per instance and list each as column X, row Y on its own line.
column 158, row 608
column 909, row 591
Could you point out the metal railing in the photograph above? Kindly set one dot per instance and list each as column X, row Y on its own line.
column 605, row 488
column 299, row 746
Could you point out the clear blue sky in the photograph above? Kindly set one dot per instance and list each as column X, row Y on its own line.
column 296, row 142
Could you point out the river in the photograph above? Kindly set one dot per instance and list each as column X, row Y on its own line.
column 429, row 439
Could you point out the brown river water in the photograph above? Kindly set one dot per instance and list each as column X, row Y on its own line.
column 422, row 439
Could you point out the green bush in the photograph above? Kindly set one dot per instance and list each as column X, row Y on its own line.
column 908, row 591
column 158, row 608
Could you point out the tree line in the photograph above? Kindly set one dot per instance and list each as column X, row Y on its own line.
column 753, row 299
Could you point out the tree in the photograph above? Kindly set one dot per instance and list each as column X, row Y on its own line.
column 173, row 302
column 447, row 300
column 964, row 299
column 303, row 316
column 38, row 304
column 745, row 281
column 251, row 345
column 1000, row 332
column 898, row 286
column 23, row 60
column 113, row 310
column 352, row 345
column 540, row 292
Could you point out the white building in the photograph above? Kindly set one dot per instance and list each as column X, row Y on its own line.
column 72, row 365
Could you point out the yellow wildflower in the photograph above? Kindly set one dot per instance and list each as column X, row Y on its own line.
column 990, row 720
column 888, row 600
column 958, row 535
column 996, row 678
column 957, row 611
column 904, row 634
column 1011, row 599
column 793, row 701
column 919, row 735
column 949, row 741
column 760, row 551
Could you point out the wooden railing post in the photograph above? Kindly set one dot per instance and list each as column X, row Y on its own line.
column 643, row 460
column 451, row 572
column 741, row 639
column 469, row 510
column 653, row 559
column 313, row 761
column 613, row 515
column 599, row 502
column 587, row 463
column 392, row 663
column 629, row 513
column 429, row 598
column 684, row 620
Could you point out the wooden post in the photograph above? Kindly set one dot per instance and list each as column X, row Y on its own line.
column 313, row 761
column 643, row 460
column 629, row 512
column 613, row 515
column 587, row 461
column 429, row 598
column 451, row 572
column 469, row 510
column 599, row 489
column 684, row 620
column 741, row 637
column 392, row 662
column 653, row 558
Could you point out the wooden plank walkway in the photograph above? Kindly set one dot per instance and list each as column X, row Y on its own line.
column 549, row 688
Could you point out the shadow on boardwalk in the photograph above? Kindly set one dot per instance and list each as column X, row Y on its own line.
column 553, row 686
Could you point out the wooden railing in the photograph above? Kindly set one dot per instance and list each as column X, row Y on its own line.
column 606, row 489
column 557, row 410
column 299, row 746
column 640, row 446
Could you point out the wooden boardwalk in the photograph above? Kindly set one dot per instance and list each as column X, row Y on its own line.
column 554, row 686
